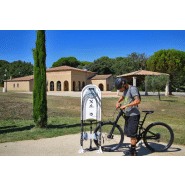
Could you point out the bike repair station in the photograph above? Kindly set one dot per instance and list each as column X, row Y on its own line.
column 90, row 112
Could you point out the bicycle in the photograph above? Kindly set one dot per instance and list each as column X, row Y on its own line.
column 157, row 137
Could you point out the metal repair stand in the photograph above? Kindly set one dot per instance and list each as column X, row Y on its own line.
column 90, row 109
column 90, row 148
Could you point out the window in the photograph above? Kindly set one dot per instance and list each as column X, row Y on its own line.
column 17, row 85
column 51, row 86
column 13, row 85
column 58, row 86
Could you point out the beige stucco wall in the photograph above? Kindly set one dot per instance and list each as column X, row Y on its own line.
column 23, row 86
column 79, row 77
column 111, row 82
column 61, row 76
column 70, row 77
column 107, row 84
column 31, row 84
column 98, row 82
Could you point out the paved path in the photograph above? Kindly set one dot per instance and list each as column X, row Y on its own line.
column 69, row 145
column 105, row 94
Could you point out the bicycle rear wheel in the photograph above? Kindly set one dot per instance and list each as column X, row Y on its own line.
column 158, row 137
column 109, row 142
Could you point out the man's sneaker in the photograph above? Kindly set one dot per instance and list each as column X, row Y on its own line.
column 130, row 153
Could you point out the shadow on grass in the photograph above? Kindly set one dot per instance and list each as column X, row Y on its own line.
column 9, row 129
column 67, row 126
column 170, row 100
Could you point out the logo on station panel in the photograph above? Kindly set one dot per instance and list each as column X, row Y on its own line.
column 91, row 114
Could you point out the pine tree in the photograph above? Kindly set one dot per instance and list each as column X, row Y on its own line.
column 39, row 90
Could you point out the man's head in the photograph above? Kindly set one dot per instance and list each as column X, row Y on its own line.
column 120, row 83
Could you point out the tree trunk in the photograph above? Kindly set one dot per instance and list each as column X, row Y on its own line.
column 159, row 96
column 39, row 90
column 170, row 84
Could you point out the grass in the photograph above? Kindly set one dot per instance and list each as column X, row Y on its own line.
column 26, row 130
column 16, row 111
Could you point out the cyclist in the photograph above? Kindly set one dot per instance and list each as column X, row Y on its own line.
column 131, row 97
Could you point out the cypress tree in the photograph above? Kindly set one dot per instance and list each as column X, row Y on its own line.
column 39, row 90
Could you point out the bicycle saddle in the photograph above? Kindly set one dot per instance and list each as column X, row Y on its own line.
column 148, row 112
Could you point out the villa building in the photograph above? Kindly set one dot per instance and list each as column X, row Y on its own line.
column 63, row 78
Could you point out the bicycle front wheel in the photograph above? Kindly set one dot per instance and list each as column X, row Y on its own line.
column 109, row 142
column 158, row 137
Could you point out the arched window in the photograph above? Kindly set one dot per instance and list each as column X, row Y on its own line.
column 79, row 86
column 66, row 86
column 51, row 86
column 74, row 84
column 101, row 87
column 83, row 84
column 58, row 86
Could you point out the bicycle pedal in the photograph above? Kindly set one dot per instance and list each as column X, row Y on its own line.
column 110, row 136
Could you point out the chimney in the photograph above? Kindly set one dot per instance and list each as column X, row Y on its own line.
column 10, row 77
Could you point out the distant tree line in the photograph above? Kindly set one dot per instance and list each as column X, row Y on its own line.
column 15, row 69
column 106, row 65
column 169, row 61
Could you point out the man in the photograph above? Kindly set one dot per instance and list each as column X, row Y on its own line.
column 131, row 99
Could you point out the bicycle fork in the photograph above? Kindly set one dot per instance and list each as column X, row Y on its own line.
column 110, row 136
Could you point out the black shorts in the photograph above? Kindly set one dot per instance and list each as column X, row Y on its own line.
column 131, row 125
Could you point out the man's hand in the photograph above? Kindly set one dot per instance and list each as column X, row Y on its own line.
column 117, row 105
column 123, row 107
column 118, row 102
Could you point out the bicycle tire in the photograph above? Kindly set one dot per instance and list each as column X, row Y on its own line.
column 155, row 133
column 111, row 143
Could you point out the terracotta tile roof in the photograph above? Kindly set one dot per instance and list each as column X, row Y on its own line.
column 101, row 77
column 25, row 78
column 60, row 68
column 65, row 68
column 142, row 72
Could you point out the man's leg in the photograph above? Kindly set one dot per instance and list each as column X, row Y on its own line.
column 133, row 146
column 133, row 141
column 132, row 132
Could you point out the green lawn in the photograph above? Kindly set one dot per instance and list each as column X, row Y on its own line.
column 16, row 110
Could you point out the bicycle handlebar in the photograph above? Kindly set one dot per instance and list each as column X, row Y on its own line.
column 121, row 109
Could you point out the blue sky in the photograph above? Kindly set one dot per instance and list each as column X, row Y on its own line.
column 88, row 45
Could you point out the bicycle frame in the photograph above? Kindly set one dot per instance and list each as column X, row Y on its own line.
column 141, row 129
column 146, row 134
column 115, row 122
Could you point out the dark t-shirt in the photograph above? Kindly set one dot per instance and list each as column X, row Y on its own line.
column 128, row 95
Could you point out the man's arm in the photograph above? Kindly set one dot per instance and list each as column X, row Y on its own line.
column 134, row 103
column 118, row 102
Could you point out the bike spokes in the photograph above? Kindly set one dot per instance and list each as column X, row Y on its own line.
column 109, row 141
column 158, row 137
